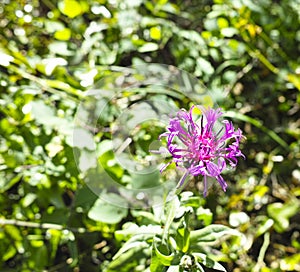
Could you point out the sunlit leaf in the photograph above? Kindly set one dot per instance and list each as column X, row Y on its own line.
column 148, row 47
column 5, row 59
column 281, row 213
column 63, row 35
column 71, row 8
column 110, row 213
column 205, row 214
column 208, row 262
column 238, row 218
column 155, row 33
column 129, row 254
column 164, row 257
column 212, row 234
column 291, row 263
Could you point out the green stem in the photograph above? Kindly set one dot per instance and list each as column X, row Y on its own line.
column 18, row 223
column 52, row 86
column 172, row 208
column 182, row 182
column 258, row 124
column 174, row 204
column 257, row 54
column 262, row 253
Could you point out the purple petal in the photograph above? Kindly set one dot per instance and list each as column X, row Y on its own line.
column 221, row 164
column 205, row 186
column 213, row 169
column 183, row 178
column 222, row 182
column 211, row 115
column 198, row 149
column 163, row 167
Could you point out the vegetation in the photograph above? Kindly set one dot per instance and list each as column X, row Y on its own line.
column 80, row 78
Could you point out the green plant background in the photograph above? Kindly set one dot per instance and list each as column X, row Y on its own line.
column 51, row 52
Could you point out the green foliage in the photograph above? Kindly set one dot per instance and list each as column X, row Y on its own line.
column 173, row 244
column 52, row 52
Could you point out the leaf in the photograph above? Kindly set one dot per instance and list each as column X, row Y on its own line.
column 143, row 181
column 58, row 216
column 43, row 113
column 291, row 263
column 161, row 253
column 83, row 139
column 28, row 199
column 72, row 246
column 172, row 268
column 148, row 47
column 229, row 31
column 109, row 213
column 130, row 245
column 127, row 255
column 281, row 213
column 131, row 229
column 222, row 22
column 9, row 253
column 208, row 262
column 264, row 226
column 13, row 232
column 7, row 181
column 294, row 79
column 205, row 215
column 172, row 208
column 155, row 264
column 212, row 234
column 63, row 35
column 183, row 234
column 54, row 240
column 71, row 8
column 146, row 216
column 84, row 198
column 204, row 66
column 5, row 59
column 238, row 218
column 60, row 48
column 47, row 66
column 40, row 256
column 155, row 33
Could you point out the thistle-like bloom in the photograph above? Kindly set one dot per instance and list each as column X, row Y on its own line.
column 201, row 150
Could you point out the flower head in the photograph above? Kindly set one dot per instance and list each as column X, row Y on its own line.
column 200, row 147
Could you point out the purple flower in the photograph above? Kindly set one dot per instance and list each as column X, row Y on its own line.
column 200, row 148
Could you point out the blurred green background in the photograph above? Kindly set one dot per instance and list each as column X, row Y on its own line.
column 51, row 52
